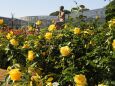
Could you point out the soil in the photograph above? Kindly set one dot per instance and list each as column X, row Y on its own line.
column 2, row 74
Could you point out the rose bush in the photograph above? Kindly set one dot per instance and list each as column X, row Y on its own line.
column 78, row 55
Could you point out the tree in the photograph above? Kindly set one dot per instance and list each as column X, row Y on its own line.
column 57, row 12
column 110, row 10
column 80, row 8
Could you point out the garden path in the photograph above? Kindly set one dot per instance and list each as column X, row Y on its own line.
column 2, row 74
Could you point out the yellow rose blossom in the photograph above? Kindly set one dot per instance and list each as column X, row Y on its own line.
column 52, row 27
column 79, row 85
column 65, row 51
column 38, row 22
column 31, row 55
column 15, row 74
column 77, row 31
column 8, row 36
column 113, row 44
column 48, row 35
column 80, row 80
column 111, row 23
column 1, row 21
column 14, row 42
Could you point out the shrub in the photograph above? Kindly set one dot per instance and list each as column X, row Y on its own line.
column 69, row 56
column 110, row 10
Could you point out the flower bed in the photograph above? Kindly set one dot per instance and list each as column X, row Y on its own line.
column 80, row 54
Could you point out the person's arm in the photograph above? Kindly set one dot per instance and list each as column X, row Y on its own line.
column 59, row 15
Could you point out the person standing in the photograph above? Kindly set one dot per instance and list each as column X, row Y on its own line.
column 61, row 14
column 61, row 18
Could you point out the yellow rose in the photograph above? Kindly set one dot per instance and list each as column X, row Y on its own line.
column 80, row 80
column 38, row 22
column 52, row 27
column 65, row 51
column 1, row 21
column 77, row 31
column 111, row 23
column 79, row 85
column 48, row 35
column 31, row 55
column 113, row 44
column 14, row 42
column 8, row 36
column 15, row 74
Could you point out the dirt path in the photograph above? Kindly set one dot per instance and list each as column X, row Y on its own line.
column 2, row 74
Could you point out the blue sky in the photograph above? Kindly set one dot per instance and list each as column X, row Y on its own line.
column 22, row 8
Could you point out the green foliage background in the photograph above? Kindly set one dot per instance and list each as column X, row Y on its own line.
column 110, row 10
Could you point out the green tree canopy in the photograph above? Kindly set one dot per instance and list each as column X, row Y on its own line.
column 81, row 8
column 57, row 12
column 110, row 10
